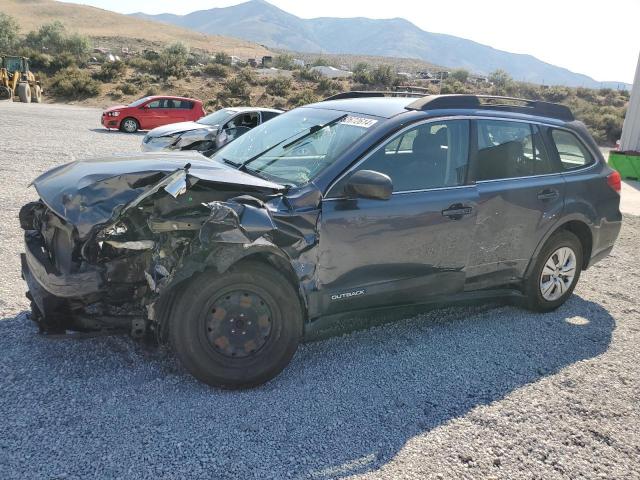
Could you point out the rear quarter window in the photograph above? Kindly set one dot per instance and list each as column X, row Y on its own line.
column 269, row 115
column 573, row 154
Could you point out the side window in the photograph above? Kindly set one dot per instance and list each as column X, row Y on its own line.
column 573, row 154
column 156, row 104
column 182, row 104
column 269, row 115
column 233, row 123
column 249, row 120
column 402, row 144
column 510, row 149
column 431, row 155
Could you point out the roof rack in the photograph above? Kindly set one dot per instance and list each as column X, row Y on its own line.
column 381, row 93
column 483, row 102
column 489, row 102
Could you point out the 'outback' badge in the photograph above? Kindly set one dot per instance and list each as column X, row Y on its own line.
column 345, row 295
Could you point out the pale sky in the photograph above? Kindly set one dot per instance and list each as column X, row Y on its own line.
column 596, row 37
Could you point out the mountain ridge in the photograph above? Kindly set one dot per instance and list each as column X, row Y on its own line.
column 100, row 23
column 262, row 22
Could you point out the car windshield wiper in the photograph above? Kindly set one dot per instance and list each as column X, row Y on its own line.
column 313, row 129
column 269, row 178
column 229, row 162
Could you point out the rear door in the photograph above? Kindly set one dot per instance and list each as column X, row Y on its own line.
column 182, row 111
column 413, row 246
column 521, row 195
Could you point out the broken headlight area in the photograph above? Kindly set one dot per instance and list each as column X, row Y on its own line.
column 115, row 276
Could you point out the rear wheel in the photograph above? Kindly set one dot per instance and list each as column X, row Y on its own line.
column 556, row 272
column 24, row 92
column 36, row 94
column 239, row 329
column 6, row 93
column 129, row 125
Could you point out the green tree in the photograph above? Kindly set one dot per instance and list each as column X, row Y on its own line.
column 237, row 88
column 460, row 74
column 9, row 30
column 54, row 39
column 308, row 75
column 222, row 58
column 500, row 78
column 73, row 83
column 362, row 74
column 278, row 87
column 216, row 70
column 49, row 36
column 303, row 97
column 171, row 61
column 78, row 45
column 327, row 86
column 283, row 61
column 110, row 71
column 385, row 75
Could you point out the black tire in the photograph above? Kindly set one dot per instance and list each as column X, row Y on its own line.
column 200, row 330
column 36, row 94
column 24, row 92
column 6, row 94
column 535, row 300
column 129, row 125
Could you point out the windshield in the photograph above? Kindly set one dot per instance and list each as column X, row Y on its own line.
column 295, row 146
column 139, row 102
column 216, row 118
column 13, row 64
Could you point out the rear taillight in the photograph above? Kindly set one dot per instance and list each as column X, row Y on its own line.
column 615, row 181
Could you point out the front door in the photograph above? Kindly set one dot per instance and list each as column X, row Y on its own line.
column 521, row 196
column 154, row 114
column 413, row 246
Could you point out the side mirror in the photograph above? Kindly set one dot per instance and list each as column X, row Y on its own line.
column 369, row 184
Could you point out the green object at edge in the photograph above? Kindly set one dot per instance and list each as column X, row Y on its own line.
column 627, row 165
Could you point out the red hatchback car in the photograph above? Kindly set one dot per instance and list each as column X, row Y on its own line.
column 151, row 112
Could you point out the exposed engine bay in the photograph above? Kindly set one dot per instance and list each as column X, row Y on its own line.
column 108, row 251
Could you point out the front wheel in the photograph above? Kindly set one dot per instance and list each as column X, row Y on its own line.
column 556, row 272
column 238, row 329
column 129, row 125
column 24, row 92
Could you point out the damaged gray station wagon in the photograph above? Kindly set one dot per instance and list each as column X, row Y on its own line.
column 362, row 201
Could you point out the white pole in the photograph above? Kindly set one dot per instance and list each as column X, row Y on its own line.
column 630, row 140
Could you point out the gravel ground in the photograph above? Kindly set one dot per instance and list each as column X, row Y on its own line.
column 466, row 392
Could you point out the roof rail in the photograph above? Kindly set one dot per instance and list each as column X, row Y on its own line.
column 364, row 94
column 489, row 102
column 483, row 102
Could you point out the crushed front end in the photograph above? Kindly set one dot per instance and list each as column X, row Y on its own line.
column 72, row 291
column 106, row 246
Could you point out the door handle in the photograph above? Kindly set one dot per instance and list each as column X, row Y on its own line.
column 548, row 194
column 457, row 211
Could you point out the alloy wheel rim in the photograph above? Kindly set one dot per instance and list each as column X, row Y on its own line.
column 129, row 126
column 558, row 274
column 239, row 324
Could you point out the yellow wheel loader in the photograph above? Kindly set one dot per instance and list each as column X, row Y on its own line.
column 16, row 80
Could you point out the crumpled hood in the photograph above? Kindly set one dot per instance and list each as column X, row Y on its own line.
column 90, row 192
column 179, row 127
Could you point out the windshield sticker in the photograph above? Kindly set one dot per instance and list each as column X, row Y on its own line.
column 358, row 121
